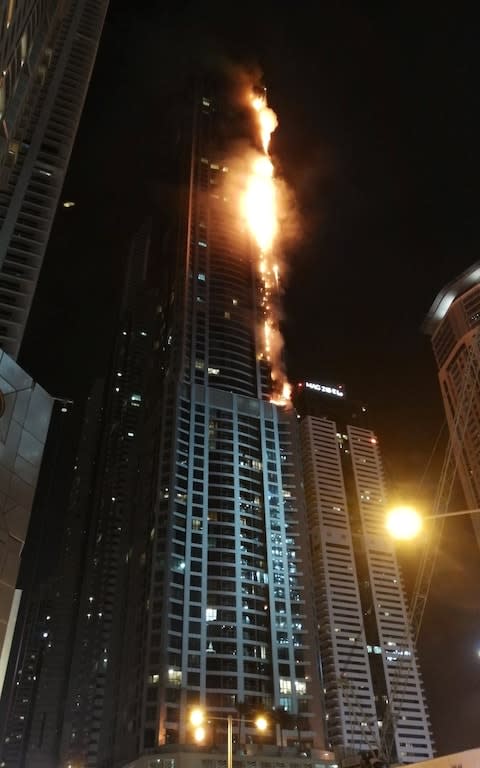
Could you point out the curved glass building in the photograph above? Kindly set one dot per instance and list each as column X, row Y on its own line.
column 222, row 615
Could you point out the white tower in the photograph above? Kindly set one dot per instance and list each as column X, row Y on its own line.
column 373, row 690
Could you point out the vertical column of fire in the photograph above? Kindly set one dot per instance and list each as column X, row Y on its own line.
column 261, row 213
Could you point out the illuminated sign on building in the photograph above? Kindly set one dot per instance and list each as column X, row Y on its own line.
column 324, row 389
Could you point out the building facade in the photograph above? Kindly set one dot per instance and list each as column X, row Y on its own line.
column 25, row 410
column 453, row 323
column 219, row 613
column 47, row 52
column 373, row 690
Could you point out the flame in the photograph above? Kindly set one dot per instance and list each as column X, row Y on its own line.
column 260, row 203
column 260, row 211
column 267, row 120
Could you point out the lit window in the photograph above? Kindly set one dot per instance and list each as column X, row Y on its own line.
column 234, row 302
column 175, row 676
column 301, row 687
column 214, row 371
column 130, row 434
column 136, row 398
column 199, row 365
column 210, row 614
column 154, row 678
column 201, row 276
column 285, row 685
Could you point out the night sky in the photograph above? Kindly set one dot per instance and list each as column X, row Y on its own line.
column 378, row 108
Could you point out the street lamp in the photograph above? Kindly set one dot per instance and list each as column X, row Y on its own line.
column 406, row 522
column 198, row 718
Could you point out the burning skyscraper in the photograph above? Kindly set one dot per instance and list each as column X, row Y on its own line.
column 219, row 608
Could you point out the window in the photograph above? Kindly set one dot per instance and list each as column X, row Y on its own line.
column 175, row 676
column 285, row 685
column 210, row 614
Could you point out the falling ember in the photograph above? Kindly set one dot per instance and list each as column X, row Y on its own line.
column 260, row 210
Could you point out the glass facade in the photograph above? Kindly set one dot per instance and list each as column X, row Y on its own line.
column 224, row 619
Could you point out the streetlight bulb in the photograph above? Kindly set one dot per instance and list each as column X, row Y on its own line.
column 404, row 523
column 262, row 723
column 197, row 716
column 199, row 734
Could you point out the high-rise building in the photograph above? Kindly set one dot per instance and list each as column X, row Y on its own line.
column 219, row 612
column 453, row 323
column 374, row 696
column 40, row 666
column 89, row 711
column 47, row 52
column 63, row 694
column 25, row 410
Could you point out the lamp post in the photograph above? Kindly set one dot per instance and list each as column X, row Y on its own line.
column 198, row 718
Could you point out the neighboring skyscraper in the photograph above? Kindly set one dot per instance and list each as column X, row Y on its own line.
column 63, row 696
column 373, row 690
column 219, row 610
column 89, row 707
column 453, row 323
column 25, row 410
column 41, row 663
column 47, row 52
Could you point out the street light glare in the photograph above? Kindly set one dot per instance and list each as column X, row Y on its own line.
column 197, row 716
column 199, row 734
column 262, row 723
column 404, row 523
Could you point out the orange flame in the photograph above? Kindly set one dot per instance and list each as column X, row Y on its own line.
column 260, row 209
column 260, row 203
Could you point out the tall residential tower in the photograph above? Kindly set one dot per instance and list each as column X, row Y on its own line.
column 47, row 52
column 453, row 323
column 219, row 613
column 373, row 691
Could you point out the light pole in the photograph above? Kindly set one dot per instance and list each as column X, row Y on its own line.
column 198, row 718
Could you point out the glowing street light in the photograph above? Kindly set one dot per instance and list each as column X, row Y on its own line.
column 406, row 523
column 262, row 723
column 198, row 717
